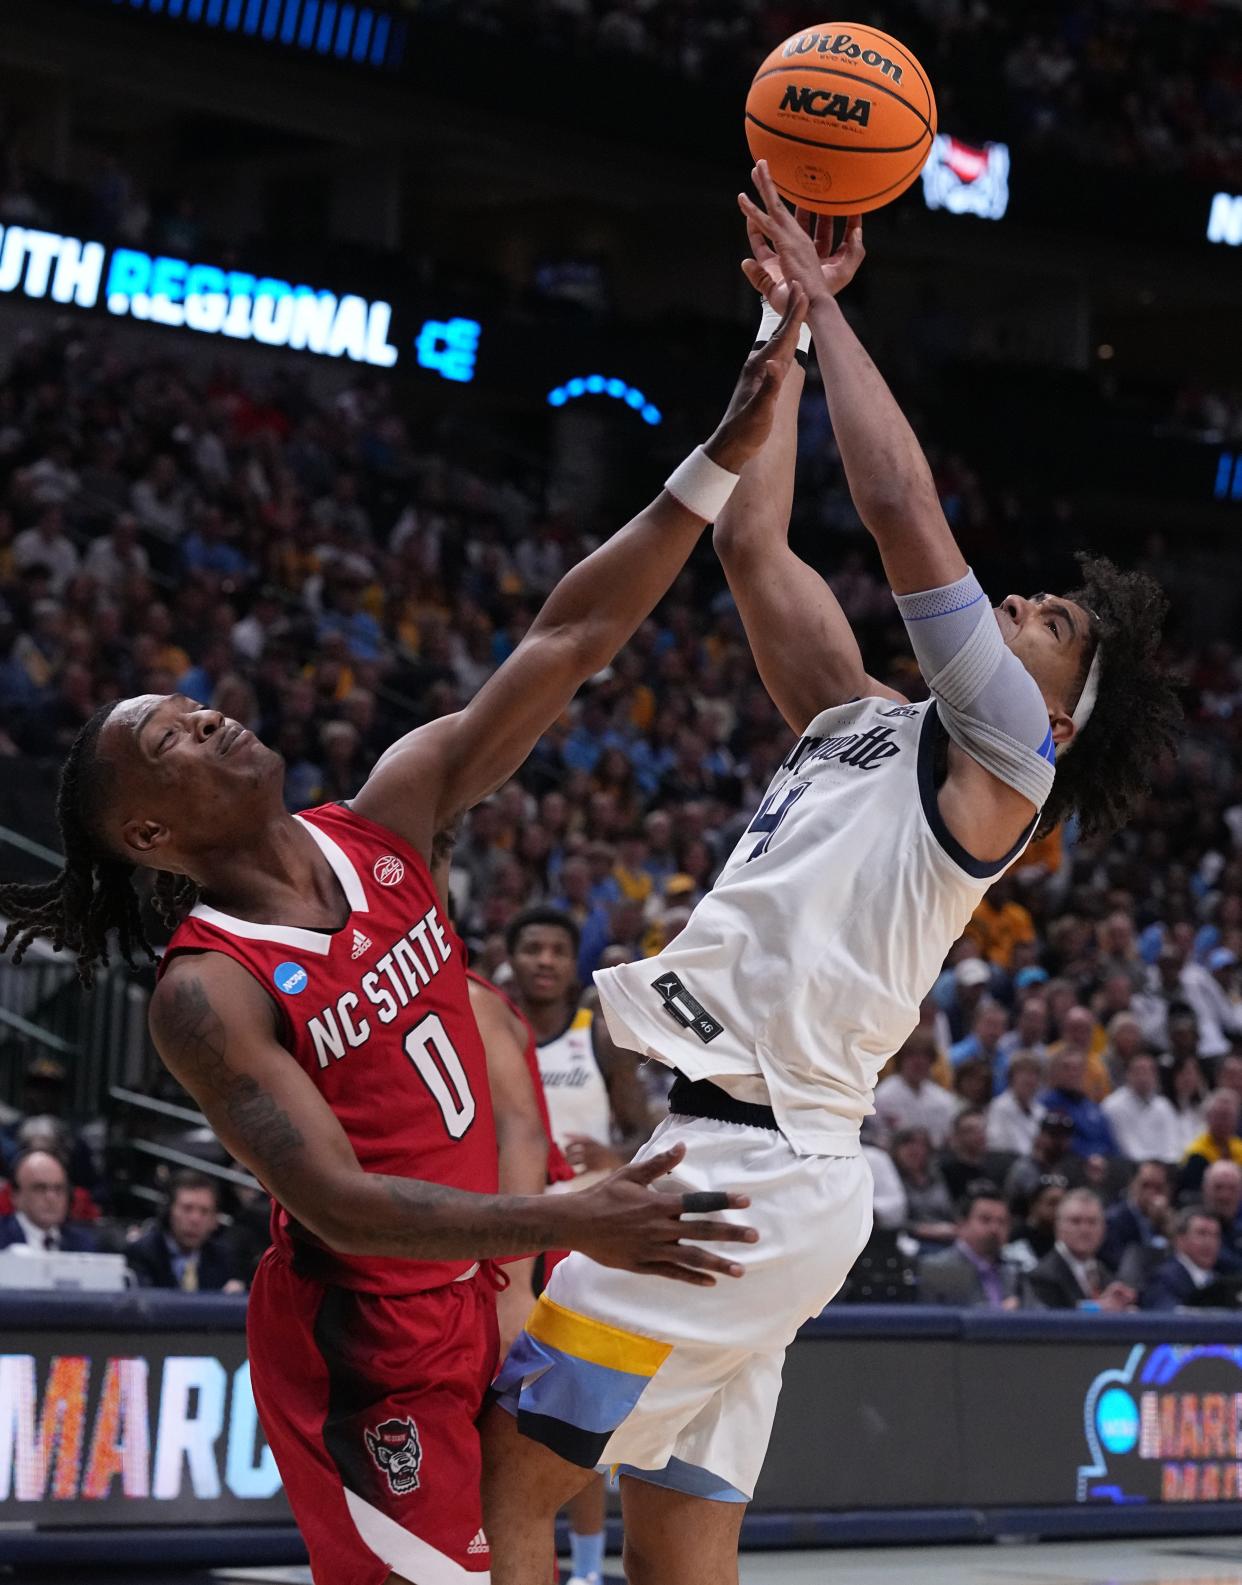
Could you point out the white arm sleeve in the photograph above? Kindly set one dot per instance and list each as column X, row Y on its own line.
column 989, row 703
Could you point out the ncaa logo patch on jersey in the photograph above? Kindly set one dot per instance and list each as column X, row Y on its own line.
column 291, row 978
column 389, row 871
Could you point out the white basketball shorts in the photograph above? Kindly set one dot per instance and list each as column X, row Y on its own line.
column 678, row 1384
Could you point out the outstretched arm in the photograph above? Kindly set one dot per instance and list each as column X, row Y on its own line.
column 803, row 644
column 428, row 778
column 215, row 1030
column 1001, row 755
column 888, row 475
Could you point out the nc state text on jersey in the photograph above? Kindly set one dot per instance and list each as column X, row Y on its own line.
column 395, row 981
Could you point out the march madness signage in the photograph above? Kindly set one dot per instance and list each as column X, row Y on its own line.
column 101, row 1428
column 1165, row 1426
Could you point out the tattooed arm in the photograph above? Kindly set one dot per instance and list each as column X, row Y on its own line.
column 216, row 1032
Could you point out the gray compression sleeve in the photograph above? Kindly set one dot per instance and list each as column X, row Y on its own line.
column 990, row 704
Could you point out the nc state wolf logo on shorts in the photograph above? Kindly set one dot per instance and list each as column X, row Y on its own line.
column 395, row 1447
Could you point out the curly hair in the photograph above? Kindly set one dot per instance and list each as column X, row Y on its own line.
column 93, row 896
column 1137, row 716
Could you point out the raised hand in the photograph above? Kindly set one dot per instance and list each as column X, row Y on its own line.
column 623, row 1222
column 748, row 418
column 795, row 248
column 589, row 1154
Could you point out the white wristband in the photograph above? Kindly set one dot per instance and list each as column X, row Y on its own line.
column 701, row 485
column 769, row 319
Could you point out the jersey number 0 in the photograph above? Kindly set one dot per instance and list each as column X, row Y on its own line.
column 431, row 1051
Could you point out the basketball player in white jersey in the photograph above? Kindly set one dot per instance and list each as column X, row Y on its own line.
column 594, row 1098
column 801, row 973
column 595, row 1102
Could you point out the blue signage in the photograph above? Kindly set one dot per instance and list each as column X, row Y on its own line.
column 1166, row 1426
column 603, row 385
column 449, row 346
column 204, row 297
column 1228, row 485
column 358, row 33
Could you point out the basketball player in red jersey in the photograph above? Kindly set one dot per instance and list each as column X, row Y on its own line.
column 315, row 1005
column 530, row 1159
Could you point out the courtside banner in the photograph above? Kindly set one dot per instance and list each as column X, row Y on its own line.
column 116, row 1423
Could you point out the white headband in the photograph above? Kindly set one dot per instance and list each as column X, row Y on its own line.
column 1086, row 699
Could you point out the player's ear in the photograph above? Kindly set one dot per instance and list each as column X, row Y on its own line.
column 1062, row 728
column 142, row 838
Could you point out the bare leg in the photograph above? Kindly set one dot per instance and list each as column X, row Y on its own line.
column 525, row 1485
column 673, row 1539
column 586, row 1515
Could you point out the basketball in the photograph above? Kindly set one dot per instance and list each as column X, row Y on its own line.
column 844, row 116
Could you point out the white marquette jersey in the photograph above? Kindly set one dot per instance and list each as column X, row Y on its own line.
column 573, row 1084
column 806, row 963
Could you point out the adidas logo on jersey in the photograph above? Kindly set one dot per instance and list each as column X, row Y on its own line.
column 479, row 1544
column 361, row 944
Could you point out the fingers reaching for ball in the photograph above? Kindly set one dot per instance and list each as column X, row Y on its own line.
column 796, row 248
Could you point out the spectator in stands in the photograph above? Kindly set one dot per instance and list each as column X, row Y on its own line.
column 114, row 559
column 969, row 983
column 1192, row 1277
column 1000, row 922
column 1143, row 1122
column 1016, row 1113
column 1222, row 1198
column 1125, row 1039
column 41, row 1197
column 972, row 1083
column 1187, row 1092
column 973, row 1274
column 1028, row 1034
column 1229, row 1073
column 1082, row 1035
column 909, row 1098
column 1073, row 1274
column 1035, row 1235
column 47, row 545
column 986, row 1029
column 965, row 1160
column 1137, row 1235
column 1067, row 1067
column 1218, row 1142
column 183, row 1248
column 929, row 1207
column 1049, row 1154
column 1176, row 981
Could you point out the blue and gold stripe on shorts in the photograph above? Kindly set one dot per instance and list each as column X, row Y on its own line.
column 570, row 1381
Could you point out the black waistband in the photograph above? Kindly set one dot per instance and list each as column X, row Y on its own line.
column 702, row 1098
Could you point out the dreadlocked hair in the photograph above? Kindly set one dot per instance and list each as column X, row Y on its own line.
column 94, row 893
column 1102, row 777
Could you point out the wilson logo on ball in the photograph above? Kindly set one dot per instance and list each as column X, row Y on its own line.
column 389, row 871
column 818, row 102
column 843, row 46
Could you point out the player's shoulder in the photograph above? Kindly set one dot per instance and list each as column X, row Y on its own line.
column 198, row 989
column 490, row 1005
column 378, row 852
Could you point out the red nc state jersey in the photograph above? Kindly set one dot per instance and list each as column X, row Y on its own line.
column 378, row 1014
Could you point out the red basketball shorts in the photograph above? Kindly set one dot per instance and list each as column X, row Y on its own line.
column 369, row 1403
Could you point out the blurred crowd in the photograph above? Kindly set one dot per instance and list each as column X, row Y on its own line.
column 330, row 578
column 1151, row 86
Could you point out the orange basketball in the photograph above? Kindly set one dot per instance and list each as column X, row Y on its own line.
column 844, row 116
